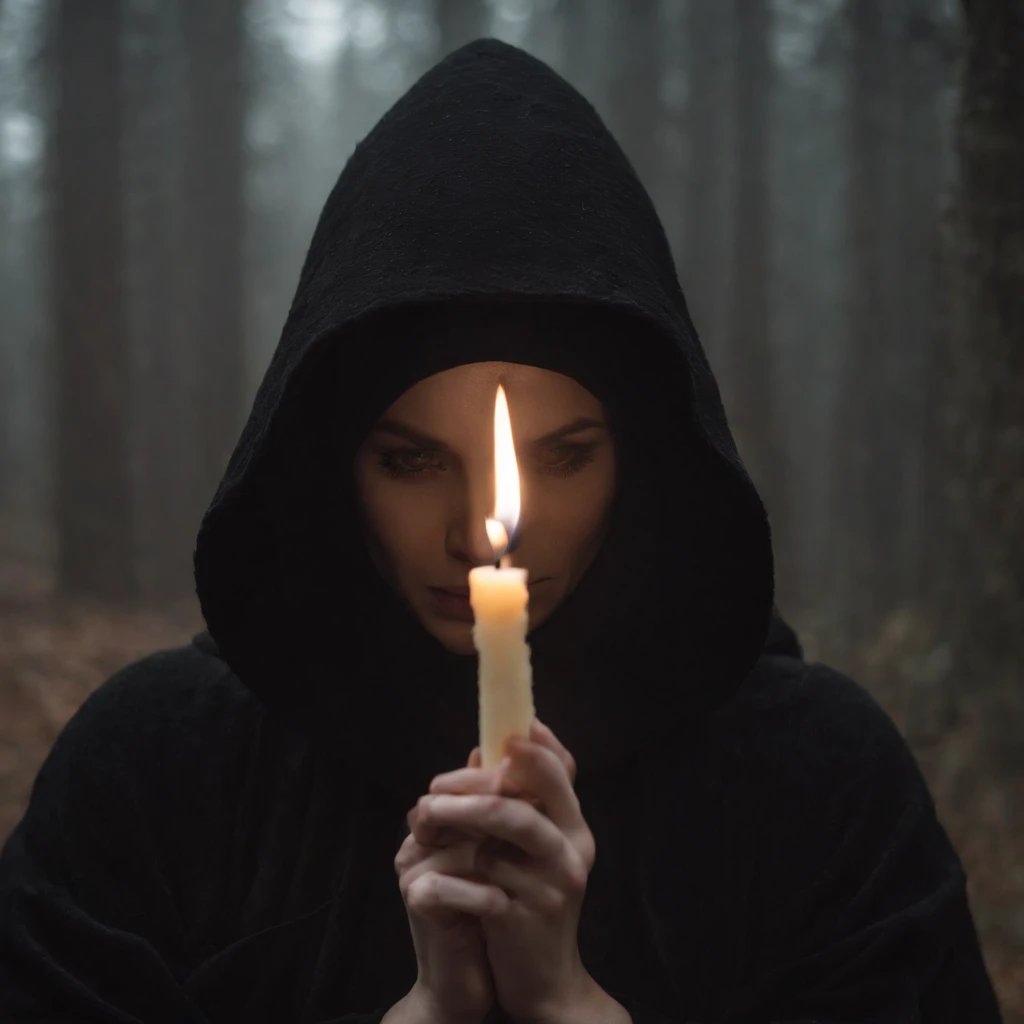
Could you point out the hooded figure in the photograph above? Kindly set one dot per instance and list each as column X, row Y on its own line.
column 214, row 834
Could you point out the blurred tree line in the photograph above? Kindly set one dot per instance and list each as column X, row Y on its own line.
column 845, row 210
column 140, row 450
column 978, row 604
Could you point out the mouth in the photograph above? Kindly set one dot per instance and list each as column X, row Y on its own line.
column 453, row 602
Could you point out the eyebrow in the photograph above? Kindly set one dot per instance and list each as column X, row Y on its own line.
column 576, row 426
column 398, row 429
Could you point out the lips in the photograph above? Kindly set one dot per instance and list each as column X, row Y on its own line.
column 464, row 591
column 453, row 602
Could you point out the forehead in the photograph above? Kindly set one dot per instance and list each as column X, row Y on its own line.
column 536, row 396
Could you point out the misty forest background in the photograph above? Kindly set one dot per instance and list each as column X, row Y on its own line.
column 842, row 182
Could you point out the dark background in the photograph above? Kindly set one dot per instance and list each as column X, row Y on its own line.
column 842, row 182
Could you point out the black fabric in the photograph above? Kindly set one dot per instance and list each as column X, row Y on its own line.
column 211, row 838
column 491, row 181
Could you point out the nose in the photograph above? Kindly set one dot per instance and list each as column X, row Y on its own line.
column 466, row 538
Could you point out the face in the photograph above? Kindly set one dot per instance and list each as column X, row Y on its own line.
column 425, row 479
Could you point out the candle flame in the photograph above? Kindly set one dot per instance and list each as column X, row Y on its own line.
column 497, row 535
column 506, row 479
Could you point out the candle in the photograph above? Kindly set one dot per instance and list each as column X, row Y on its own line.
column 498, row 594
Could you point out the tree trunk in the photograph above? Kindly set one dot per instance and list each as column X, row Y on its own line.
column 750, row 370
column 15, row 329
column 922, row 72
column 854, row 484
column 889, row 335
column 155, row 132
column 983, row 602
column 214, row 210
column 709, row 63
column 93, row 480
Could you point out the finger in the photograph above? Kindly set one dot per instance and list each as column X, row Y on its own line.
column 475, row 759
column 548, row 892
column 413, row 859
column 507, row 818
column 542, row 734
column 434, row 894
column 537, row 770
column 468, row 780
column 430, row 835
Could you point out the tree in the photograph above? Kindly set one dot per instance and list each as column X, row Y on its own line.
column 861, row 556
column 922, row 68
column 184, row 145
column 750, row 362
column 981, row 607
column 709, row 32
column 154, row 131
column 213, row 209
column 93, row 500
column 14, row 316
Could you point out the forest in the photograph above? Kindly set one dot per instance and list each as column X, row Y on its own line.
column 842, row 184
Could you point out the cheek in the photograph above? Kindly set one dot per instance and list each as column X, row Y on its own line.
column 403, row 523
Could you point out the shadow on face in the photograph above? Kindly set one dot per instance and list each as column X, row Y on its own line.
column 425, row 480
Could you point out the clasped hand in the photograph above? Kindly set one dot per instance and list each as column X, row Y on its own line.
column 493, row 874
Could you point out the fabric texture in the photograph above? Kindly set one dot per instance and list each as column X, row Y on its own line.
column 212, row 836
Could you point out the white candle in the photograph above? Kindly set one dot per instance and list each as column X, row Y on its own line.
column 499, row 597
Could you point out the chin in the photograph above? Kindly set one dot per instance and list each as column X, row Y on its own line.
column 456, row 637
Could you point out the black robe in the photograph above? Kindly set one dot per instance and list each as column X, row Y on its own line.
column 212, row 836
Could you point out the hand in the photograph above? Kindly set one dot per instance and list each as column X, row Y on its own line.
column 538, row 850
column 445, row 902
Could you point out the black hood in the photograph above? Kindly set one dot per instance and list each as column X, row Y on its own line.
column 488, row 215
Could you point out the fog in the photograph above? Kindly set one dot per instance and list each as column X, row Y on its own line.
column 162, row 167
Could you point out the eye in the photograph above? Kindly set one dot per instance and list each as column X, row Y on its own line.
column 410, row 462
column 566, row 459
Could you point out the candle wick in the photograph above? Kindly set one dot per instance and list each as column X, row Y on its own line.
column 497, row 563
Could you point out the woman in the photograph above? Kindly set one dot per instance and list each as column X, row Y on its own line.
column 705, row 827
